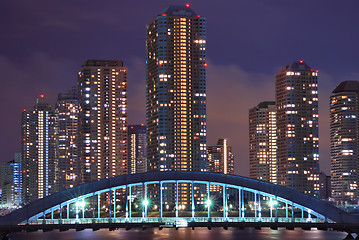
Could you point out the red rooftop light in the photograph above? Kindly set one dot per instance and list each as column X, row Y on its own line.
column 187, row 5
column 301, row 61
column 316, row 71
column 42, row 96
column 198, row 16
column 205, row 64
column 142, row 124
column 164, row 14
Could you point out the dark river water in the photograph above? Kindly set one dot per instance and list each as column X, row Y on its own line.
column 182, row 234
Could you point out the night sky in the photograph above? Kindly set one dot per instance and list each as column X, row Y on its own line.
column 44, row 43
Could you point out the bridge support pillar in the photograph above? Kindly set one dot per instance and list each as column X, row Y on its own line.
column 209, row 200
column 276, row 209
column 255, row 205
column 176, row 199
column 286, row 211
column 130, row 203
column 242, row 208
column 110, row 207
column 161, row 201
column 259, row 207
column 193, row 207
column 98, row 206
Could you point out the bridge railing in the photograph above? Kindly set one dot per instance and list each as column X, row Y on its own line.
column 172, row 220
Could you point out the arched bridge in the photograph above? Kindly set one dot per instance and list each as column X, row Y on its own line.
column 178, row 199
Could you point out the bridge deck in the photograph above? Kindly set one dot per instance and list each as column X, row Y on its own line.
column 354, row 228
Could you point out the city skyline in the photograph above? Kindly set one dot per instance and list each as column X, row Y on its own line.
column 235, row 76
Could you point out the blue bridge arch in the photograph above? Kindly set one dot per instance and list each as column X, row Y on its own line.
column 36, row 211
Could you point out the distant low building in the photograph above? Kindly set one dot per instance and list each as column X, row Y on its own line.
column 137, row 146
column 324, row 186
column 10, row 182
column 220, row 158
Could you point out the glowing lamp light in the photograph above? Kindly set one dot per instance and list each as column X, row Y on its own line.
column 131, row 127
column 164, row 14
column 205, row 64
column 208, row 203
column 142, row 124
column 316, row 71
column 301, row 61
column 272, row 203
column 145, row 202
column 42, row 96
column 80, row 204
column 187, row 5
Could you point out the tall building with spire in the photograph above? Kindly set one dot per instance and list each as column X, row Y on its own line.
column 176, row 92
column 297, row 124
column 263, row 142
column 102, row 127
column 66, row 111
column 38, row 161
column 344, row 144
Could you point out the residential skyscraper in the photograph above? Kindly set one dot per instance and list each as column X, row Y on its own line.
column 263, row 142
column 38, row 151
column 220, row 158
column 344, row 144
column 137, row 146
column 102, row 126
column 176, row 91
column 297, row 125
column 176, row 95
column 66, row 111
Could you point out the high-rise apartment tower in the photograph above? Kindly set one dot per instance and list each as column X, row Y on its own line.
column 38, row 161
column 297, row 125
column 263, row 142
column 344, row 144
column 176, row 91
column 176, row 96
column 66, row 111
column 102, row 127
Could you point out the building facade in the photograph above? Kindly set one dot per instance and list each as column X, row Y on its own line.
column 10, row 183
column 297, row 125
column 137, row 149
column 325, row 186
column 220, row 158
column 102, row 126
column 176, row 93
column 38, row 162
column 344, row 145
column 66, row 111
column 263, row 142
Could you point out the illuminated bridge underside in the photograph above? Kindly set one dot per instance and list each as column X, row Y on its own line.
column 76, row 201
